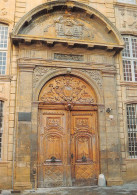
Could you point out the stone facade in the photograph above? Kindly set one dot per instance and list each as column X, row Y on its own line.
column 51, row 38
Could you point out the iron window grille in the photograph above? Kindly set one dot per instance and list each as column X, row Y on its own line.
column 1, row 126
column 132, row 129
column 3, row 48
column 130, row 58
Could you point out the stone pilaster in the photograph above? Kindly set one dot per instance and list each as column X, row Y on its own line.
column 24, row 98
column 112, row 130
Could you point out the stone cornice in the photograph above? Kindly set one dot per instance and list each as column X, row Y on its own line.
column 26, row 67
column 50, row 41
column 130, row 101
column 126, row 5
column 29, row 64
column 128, row 84
column 5, row 20
column 108, row 73
column 5, row 78
column 129, row 33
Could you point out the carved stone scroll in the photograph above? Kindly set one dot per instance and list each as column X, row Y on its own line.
column 67, row 89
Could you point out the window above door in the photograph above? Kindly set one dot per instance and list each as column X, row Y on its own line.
column 127, row 1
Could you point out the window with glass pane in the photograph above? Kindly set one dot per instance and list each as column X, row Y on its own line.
column 1, row 125
column 130, row 58
column 132, row 129
column 127, row 1
column 3, row 47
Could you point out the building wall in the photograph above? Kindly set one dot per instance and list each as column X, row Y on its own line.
column 123, row 16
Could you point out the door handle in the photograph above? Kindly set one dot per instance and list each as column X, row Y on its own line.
column 71, row 156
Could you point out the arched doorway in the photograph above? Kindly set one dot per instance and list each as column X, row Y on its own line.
column 67, row 134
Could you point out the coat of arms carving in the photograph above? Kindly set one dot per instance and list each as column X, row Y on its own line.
column 68, row 27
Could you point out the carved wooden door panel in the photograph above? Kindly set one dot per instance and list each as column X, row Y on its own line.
column 52, row 152
column 84, row 148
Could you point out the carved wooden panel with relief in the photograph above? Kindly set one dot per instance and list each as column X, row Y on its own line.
column 52, row 156
column 84, row 148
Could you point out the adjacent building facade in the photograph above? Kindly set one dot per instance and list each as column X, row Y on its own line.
column 68, row 92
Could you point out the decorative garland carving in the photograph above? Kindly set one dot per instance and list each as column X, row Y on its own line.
column 40, row 71
column 95, row 75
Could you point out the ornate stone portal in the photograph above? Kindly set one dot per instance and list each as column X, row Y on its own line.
column 68, row 139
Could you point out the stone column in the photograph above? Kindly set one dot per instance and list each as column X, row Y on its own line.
column 112, row 129
column 23, row 133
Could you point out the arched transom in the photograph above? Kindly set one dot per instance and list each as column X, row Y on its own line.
column 67, row 89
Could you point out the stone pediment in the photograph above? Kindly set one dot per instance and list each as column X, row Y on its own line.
column 74, row 24
column 63, row 26
column 69, row 26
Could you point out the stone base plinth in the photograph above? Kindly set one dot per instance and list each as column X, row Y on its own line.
column 22, row 185
column 114, row 182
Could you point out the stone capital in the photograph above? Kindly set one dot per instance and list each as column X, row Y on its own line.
column 26, row 67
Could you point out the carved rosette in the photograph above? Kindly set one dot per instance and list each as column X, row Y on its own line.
column 67, row 89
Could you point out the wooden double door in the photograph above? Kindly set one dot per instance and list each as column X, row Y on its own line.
column 68, row 148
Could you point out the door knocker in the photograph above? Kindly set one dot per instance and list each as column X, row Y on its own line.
column 71, row 156
column 53, row 159
column 84, row 159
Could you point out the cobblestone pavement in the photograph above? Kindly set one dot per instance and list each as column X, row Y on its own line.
column 128, row 189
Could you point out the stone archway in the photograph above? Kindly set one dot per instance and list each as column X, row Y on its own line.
column 67, row 136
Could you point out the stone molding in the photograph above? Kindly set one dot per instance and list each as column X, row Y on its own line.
column 130, row 102
column 5, row 20
column 43, row 55
column 3, row 98
column 39, row 72
column 26, row 68
column 5, row 78
column 44, row 74
column 128, row 84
